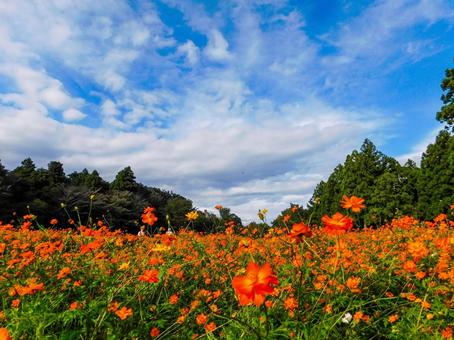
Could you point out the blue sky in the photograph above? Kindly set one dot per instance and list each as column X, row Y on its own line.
column 248, row 104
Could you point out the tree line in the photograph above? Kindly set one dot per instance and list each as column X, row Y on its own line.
column 85, row 198
column 389, row 188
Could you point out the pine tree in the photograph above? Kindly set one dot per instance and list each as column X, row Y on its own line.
column 446, row 113
column 55, row 173
column 436, row 181
column 125, row 180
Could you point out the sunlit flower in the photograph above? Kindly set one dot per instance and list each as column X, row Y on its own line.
column 393, row 318
column 255, row 285
column 418, row 250
column 74, row 305
column 124, row 313
column 291, row 304
column 113, row 306
column 63, row 272
column 201, row 319
column 124, row 266
column 447, row 333
column 192, row 215
column 262, row 213
column 210, row 327
column 337, row 224
column 357, row 317
column 4, row 335
column 148, row 216
column 173, row 299
column 154, row 332
column 354, row 203
column 149, row 275
column 299, row 230
column 353, row 283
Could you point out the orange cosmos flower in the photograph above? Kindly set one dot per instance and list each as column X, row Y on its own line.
column 393, row 318
column 63, row 272
column 4, row 335
column 173, row 299
column 148, row 216
column 192, row 215
column 337, row 224
column 201, row 319
column 75, row 305
column 149, row 276
column 218, row 207
column 255, row 285
column 210, row 327
column 354, row 203
column 299, row 230
column 124, row 313
column 155, row 332
column 353, row 284
column 447, row 333
column 53, row 221
column 113, row 306
column 291, row 304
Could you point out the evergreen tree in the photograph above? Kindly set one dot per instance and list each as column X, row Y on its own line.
column 125, row 180
column 5, row 192
column 408, row 178
column 436, row 180
column 96, row 182
column 387, row 187
column 55, row 173
column 176, row 208
column 446, row 113
column 79, row 178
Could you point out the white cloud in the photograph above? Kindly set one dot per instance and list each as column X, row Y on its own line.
column 217, row 47
column 190, row 51
column 380, row 31
column 55, row 98
column 73, row 115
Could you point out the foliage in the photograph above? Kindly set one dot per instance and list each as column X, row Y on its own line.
column 446, row 113
column 390, row 188
column 85, row 197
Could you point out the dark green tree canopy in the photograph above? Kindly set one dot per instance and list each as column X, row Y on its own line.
column 125, row 180
column 446, row 113
column 389, row 188
column 56, row 173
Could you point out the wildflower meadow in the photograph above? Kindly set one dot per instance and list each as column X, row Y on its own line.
column 295, row 281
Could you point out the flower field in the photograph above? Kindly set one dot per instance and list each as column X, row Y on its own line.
column 300, row 281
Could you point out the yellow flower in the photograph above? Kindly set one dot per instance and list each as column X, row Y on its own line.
column 192, row 215
column 124, row 266
column 262, row 213
column 160, row 248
